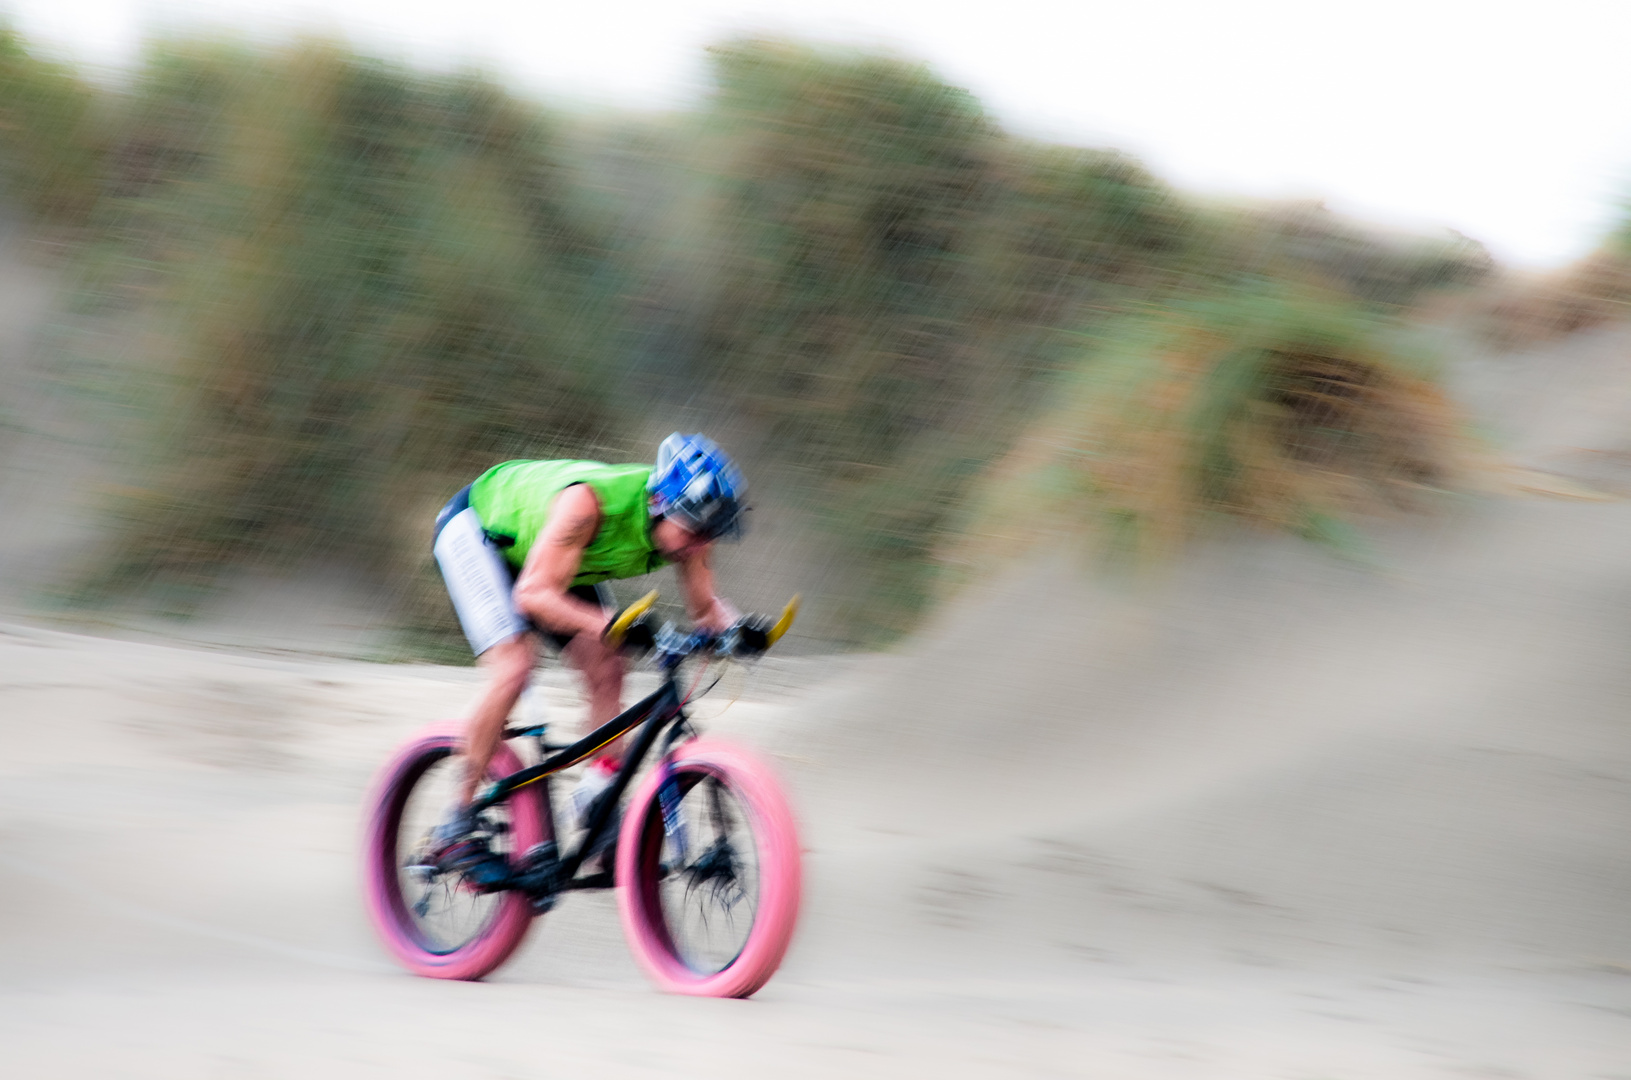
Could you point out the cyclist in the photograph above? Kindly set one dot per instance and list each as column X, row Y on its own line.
column 525, row 550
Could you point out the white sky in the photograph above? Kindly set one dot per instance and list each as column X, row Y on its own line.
column 1508, row 121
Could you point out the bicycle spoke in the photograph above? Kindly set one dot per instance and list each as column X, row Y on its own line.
column 716, row 807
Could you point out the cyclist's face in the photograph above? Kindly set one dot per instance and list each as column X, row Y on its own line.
column 675, row 541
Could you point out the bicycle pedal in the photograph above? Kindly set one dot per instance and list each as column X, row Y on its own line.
column 539, row 875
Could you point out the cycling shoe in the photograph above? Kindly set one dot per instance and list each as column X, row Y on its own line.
column 458, row 846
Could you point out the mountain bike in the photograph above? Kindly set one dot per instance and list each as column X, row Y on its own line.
column 706, row 862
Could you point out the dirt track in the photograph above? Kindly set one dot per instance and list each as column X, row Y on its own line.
column 1284, row 817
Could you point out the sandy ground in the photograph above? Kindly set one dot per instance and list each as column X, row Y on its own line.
column 1275, row 817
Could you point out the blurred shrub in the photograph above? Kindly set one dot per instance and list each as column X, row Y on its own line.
column 372, row 283
column 1285, row 410
column 1305, row 242
column 893, row 285
column 887, row 276
column 881, row 248
column 52, row 134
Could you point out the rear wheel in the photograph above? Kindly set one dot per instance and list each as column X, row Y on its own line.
column 710, row 899
column 440, row 924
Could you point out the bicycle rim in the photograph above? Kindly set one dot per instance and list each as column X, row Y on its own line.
column 436, row 924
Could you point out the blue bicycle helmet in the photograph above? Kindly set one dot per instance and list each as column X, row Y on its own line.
column 697, row 486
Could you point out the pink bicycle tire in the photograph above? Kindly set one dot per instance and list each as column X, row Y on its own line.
column 780, row 874
column 387, row 909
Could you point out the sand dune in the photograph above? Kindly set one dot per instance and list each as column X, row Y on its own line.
column 1276, row 816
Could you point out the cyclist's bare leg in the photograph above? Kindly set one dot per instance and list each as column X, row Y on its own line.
column 602, row 669
column 509, row 665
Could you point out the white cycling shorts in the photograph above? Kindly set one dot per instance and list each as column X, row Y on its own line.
column 479, row 582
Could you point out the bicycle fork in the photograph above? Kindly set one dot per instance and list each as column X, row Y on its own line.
column 668, row 795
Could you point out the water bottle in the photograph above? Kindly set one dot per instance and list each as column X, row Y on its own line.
column 597, row 777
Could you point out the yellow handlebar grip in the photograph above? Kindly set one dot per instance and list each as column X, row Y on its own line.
column 615, row 632
column 789, row 613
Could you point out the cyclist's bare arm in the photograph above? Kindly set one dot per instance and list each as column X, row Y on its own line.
column 541, row 589
column 708, row 610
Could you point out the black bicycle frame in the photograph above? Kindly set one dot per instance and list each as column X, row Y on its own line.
column 655, row 711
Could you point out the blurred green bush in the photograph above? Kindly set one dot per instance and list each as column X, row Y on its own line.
column 370, row 284
column 1285, row 408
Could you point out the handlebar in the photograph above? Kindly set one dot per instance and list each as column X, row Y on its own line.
column 783, row 624
column 748, row 637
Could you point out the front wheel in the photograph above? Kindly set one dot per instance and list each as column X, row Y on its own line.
column 709, row 896
column 438, row 924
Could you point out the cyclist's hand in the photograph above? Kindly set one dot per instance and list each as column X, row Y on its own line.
column 720, row 617
column 753, row 634
column 756, row 633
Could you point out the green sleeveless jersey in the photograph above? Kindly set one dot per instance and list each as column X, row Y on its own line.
column 513, row 501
